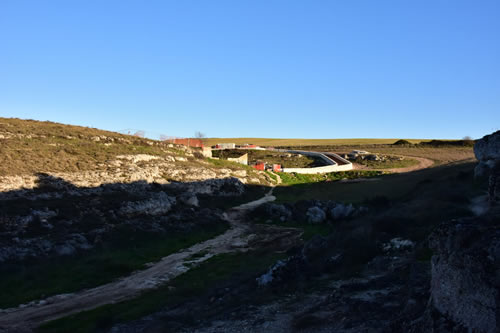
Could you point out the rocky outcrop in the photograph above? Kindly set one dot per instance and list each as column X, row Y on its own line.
column 132, row 168
column 487, row 151
column 159, row 203
column 310, row 211
column 465, row 273
column 58, row 219
column 465, row 283
column 315, row 215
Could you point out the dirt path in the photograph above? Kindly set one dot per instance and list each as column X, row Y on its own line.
column 237, row 238
column 423, row 163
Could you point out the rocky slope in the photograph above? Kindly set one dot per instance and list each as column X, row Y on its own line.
column 465, row 285
column 68, row 187
column 365, row 276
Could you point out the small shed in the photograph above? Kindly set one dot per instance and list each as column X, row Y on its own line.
column 260, row 166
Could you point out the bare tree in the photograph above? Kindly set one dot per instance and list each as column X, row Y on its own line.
column 200, row 135
column 467, row 138
column 139, row 134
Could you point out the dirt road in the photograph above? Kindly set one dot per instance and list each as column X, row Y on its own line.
column 238, row 238
column 423, row 163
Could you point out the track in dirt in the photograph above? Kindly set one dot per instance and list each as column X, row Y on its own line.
column 26, row 318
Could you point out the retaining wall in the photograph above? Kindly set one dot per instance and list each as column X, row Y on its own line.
column 243, row 159
column 331, row 167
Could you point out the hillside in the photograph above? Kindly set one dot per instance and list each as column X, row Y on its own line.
column 90, row 157
column 103, row 232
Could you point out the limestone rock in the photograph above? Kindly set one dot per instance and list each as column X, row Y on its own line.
column 487, row 151
column 315, row 215
column 159, row 204
column 465, row 274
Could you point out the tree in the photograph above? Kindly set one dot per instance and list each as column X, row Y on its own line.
column 199, row 135
column 467, row 138
column 139, row 134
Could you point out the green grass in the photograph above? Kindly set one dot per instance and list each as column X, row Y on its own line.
column 287, row 160
column 391, row 186
column 194, row 283
column 126, row 253
column 272, row 175
column 296, row 178
column 229, row 164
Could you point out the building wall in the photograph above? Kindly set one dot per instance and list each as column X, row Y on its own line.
column 187, row 142
column 207, row 152
column 226, row 145
column 243, row 159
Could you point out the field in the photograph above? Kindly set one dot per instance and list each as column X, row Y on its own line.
column 304, row 142
column 439, row 155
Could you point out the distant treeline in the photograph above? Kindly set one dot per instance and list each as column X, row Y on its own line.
column 437, row 143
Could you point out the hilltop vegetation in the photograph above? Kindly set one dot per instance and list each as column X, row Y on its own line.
column 29, row 146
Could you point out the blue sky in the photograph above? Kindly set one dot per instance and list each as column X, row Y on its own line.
column 302, row 69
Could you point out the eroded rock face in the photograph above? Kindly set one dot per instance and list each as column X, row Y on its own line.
column 159, row 204
column 488, row 148
column 466, row 273
column 487, row 151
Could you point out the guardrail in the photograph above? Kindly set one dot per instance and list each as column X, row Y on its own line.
column 332, row 166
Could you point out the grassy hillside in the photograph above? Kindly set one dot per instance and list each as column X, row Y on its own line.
column 305, row 142
column 28, row 146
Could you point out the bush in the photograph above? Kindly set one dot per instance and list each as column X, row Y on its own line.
column 402, row 142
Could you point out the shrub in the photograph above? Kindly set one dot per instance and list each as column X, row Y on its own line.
column 402, row 142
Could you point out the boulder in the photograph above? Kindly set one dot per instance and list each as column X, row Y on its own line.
column 315, row 215
column 159, row 204
column 277, row 212
column 341, row 211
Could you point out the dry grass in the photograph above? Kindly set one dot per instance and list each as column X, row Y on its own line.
column 438, row 155
column 28, row 146
column 305, row 142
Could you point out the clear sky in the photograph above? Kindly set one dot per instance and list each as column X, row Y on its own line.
column 260, row 68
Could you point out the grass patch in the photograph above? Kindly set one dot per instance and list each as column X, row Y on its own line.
column 194, row 283
column 126, row 253
column 272, row 175
column 296, row 178
column 229, row 164
column 391, row 186
column 286, row 160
